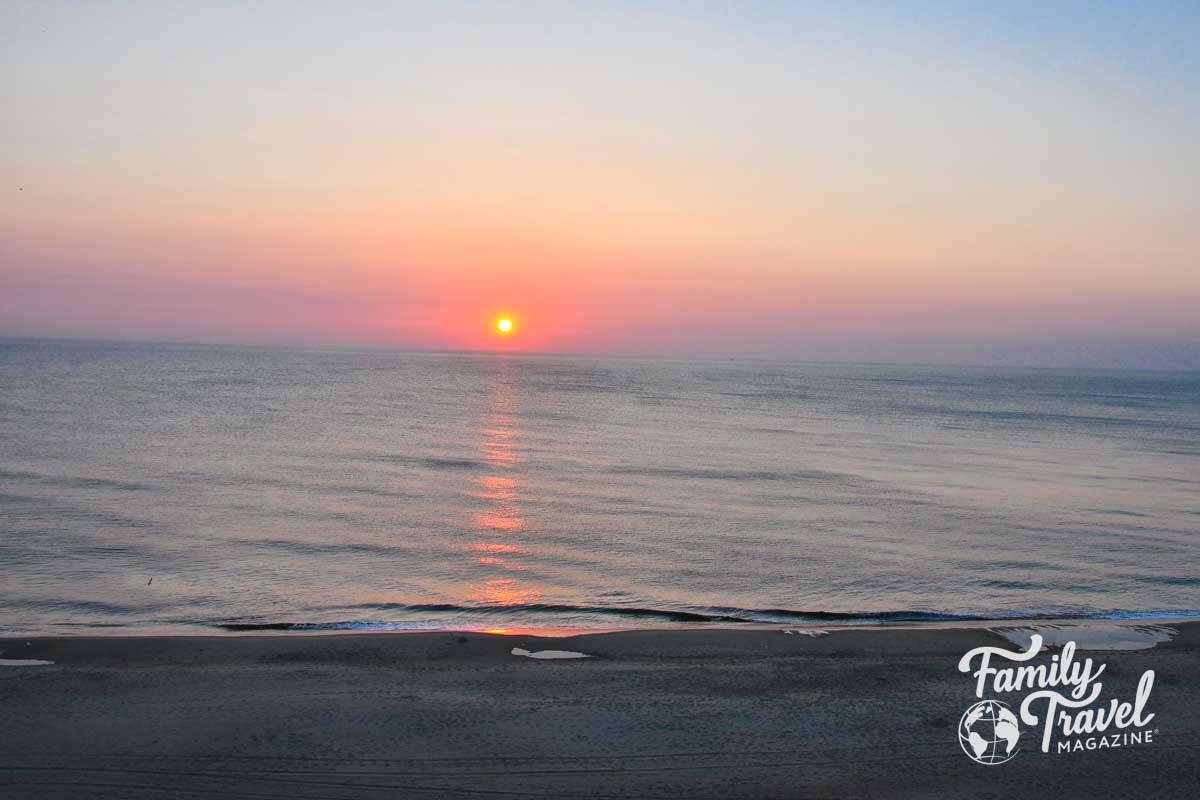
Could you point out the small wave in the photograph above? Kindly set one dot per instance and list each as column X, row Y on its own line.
column 703, row 615
column 321, row 548
column 1120, row 512
column 704, row 473
column 75, row 607
column 1171, row 580
column 1146, row 615
column 450, row 463
column 722, row 615
column 429, row 462
column 224, row 380
column 73, row 481
column 707, row 614
column 1015, row 585
column 355, row 625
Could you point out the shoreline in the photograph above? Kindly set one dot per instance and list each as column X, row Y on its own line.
column 555, row 631
column 748, row 642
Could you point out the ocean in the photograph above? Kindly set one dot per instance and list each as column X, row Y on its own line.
column 197, row 489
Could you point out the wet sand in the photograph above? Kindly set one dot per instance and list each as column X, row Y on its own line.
column 864, row 712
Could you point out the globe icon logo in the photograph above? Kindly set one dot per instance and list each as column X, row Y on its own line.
column 988, row 732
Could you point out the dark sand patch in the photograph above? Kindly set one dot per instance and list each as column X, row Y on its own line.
column 864, row 712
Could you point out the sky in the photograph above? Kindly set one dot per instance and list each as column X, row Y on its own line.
column 926, row 182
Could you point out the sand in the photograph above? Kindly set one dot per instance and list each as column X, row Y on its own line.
column 865, row 712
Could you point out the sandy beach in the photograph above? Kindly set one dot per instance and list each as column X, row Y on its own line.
column 865, row 712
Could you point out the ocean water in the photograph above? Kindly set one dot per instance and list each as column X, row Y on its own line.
column 198, row 489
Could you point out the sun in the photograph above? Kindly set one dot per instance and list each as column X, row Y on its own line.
column 504, row 325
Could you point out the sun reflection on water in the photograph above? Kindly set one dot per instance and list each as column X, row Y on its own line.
column 500, row 448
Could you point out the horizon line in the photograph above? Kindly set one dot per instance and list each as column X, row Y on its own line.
column 574, row 354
